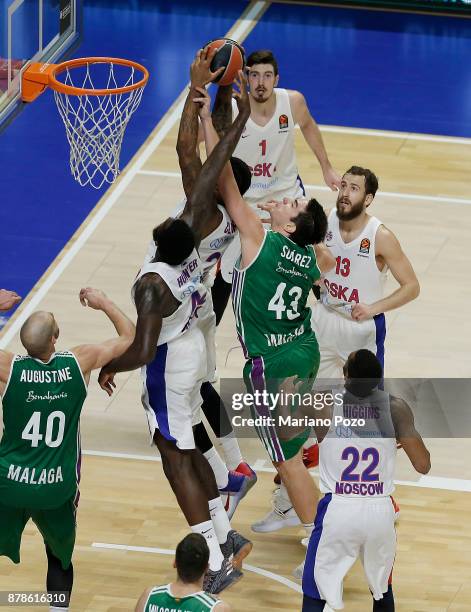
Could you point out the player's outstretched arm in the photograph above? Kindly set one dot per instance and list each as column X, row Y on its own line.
column 8, row 299
column 153, row 302
column 313, row 137
column 210, row 135
column 248, row 223
column 94, row 356
column 389, row 250
column 196, row 210
column 6, row 359
column 407, row 435
column 222, row 110
column 188, row 158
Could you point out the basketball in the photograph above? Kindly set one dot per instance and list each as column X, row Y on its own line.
column 229, row 55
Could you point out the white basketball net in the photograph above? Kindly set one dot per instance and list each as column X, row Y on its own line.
column 95, row 125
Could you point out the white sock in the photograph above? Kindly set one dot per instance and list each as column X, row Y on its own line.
column 231, row 449
column 220, row 519
column 221, row 473
column 282, row 499
column 309, row 527
column 206, row 529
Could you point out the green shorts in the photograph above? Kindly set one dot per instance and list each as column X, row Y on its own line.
column 299, row 359
column 57, row 526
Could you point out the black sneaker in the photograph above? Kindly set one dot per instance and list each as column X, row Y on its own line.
column 236, row 548
column 215, row 582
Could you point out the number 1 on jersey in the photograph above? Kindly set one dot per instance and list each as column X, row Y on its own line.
column 263, row 144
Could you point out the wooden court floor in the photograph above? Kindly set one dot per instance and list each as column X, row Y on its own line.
column 127, row 501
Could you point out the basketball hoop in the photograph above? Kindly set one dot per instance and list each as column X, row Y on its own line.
column 96, row 97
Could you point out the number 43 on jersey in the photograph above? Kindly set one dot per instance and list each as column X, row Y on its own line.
column 277, row 302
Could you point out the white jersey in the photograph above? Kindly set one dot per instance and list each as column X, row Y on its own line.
column 185, row 283
column 359, row 461
column 211, row 248
column 270, row 153
column 355, row 277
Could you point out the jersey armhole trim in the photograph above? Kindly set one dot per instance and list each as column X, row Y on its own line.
column 256, row 256
column 147, row 600
column 9, row 375
column 80, row 370
column 386, row 268
column 295, row 123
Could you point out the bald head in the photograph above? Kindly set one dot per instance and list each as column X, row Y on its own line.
column 37, row 333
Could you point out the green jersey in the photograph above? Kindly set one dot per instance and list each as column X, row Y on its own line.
column 269, row 296
column 162, row 600
column 40, row 447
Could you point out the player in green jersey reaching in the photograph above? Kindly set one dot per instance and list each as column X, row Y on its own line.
column 43, row 393
column 270, row 288
column 186, row 593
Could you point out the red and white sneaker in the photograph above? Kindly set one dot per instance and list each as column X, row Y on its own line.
column 311, row 456
column 238, row 486
column 245, row 469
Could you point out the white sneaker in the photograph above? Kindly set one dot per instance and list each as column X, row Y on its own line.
column 277, row 519
column 298, row 571
column 305, row 542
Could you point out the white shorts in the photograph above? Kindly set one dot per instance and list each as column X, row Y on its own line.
column 171, row 388
column 347, row 529
column 338, row 336
column 207, row 324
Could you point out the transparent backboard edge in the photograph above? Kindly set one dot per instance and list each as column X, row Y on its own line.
column 69, row 44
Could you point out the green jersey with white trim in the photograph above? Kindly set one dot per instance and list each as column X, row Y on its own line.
column 269, row 296
column 40, row 447
column 162, row 600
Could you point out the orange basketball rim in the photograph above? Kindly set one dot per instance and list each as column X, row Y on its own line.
column 96, row 97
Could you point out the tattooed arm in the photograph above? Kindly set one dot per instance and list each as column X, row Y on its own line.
column 188, row 158
column 196, row 212
column 222, row 110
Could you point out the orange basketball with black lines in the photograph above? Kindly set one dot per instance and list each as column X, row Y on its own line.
column 229, row 55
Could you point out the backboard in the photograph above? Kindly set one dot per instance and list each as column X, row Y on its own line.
column 32, row 31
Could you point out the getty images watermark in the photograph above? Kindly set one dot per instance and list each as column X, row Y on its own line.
column 273, row 410
column 441, row 407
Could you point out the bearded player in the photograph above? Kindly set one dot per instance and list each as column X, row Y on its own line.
column 273, row 321
column 350, row 314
